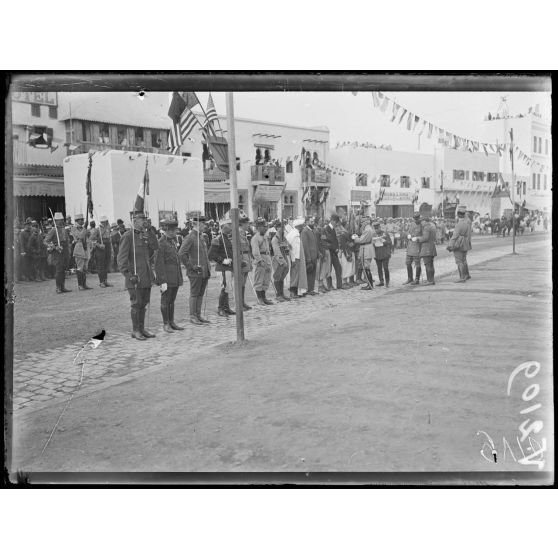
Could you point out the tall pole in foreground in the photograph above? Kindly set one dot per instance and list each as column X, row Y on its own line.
column 513, row 191
column 234, row 217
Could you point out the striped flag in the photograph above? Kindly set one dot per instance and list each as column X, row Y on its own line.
column 211, row 113
column 139, row 204
column 183, row 122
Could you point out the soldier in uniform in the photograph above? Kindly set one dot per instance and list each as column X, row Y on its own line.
column 262, row 261
column 413, row 251
column 168, row 273
column 221, row 252
column 245, row 255
column 26, row 260
column 134, row 262
column 193, row 254
column 34, row 249
column 100, row 240
column 280, row 260
column 366, row 252
column 81, row 251
column 58, row 243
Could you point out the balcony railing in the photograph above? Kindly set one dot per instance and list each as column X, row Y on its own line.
column 214, row 175
column 25, row 154
column 271, row 174
column 86, row 146
column 316, row 176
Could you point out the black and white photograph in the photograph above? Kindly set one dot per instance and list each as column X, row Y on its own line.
column 270, row 277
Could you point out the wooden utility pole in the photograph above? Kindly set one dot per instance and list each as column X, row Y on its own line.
column 237, row 272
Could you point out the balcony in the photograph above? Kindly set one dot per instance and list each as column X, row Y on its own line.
column 214, row 175
column 269, row 174
column 25, row 154
column 86, row 146
column 316, row 177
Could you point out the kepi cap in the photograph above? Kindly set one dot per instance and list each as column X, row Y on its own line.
column 58, row 216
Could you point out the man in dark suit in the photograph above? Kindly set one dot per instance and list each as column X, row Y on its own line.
column 168, row 273
column 311, row 252
column 333, row 245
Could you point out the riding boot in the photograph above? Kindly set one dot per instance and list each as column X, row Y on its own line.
column 199, row 311
column 63, row 289
column 387, row 277
column 244, row 305
column 141, row 317
column 221, row 307
column 193, row 305
column 417, row 277
column 259, row 294
column 265, row 300
column 370, row 279
column 171, row 318
column 279, row 289
column 380, row 274
column 136, row 333
column 329, row 283
column 166, row 324
column 84, row 284
column 461, row 273
column 409, row 274
column 227, row 307
column 466, row 271
column 282, row 291
column 79, row 279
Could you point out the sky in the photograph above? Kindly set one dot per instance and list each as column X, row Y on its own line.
column 354, row 118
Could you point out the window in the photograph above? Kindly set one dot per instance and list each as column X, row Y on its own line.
column 85, row 132
column 538, row 181
column 361, row 179
column 458, row 175
column 384, row 181
column 425, row 182
column 405, row 182
column 535, row 144
column 545, row 181
column 492, row 177
column 466, row 175
column 156, row 140
column 238, row 163
column 40, row 136
column 242, row 202
column 122, row 135
column 140, row 138
column 184, row 154
column 289, row 206
column 525, row 188
column 35, row 110
column 53, row 112
column 534, row 181
column 478, row 176
column 289, row 166
column 540, row 145
column 546, row 147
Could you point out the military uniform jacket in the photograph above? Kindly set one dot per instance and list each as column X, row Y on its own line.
column 62, row 234
column 245, row 251
column 365, row 240
column 413, row 248
column 143, row 253
column 100, row 235
column 383, row 252
column 81, row 248
column 191, row 246
column 167, row 263
column 260, row 250
column 463, row 228
column 428, row 240
column 221, row 249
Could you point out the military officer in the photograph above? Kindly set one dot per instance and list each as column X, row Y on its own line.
column 168, row 273
column 245, row 255
column 221, row 252
column 280, row 260
column 428, row 248
column 193, row 254
column 100, row 240
column 262, row 261
column 413, row 250
column 81, row 251
column 134, row 262
column 58, row 243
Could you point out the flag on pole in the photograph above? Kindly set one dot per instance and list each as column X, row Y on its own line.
column 139, row 204
column 183, row 121
column 146, row 180
column 211, row 113
column 88, row 192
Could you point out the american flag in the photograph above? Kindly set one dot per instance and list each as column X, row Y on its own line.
column 211, row 113
column 183, row 122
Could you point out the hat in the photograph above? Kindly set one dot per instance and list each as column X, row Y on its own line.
column 416, row 214
column 79, row 216
column 119, row 222
column 260, row 222
column 461, row 209
column 113, row 225
column 298, row 222
column 244, row 219
column 272, row 230
column 28, row 220
column 377, row 224
column 34, row 222
column 103, row 218
column 168, row 223
column 58, row 215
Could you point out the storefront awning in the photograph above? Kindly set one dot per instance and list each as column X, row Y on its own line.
column 217, row 192
column 38, row 186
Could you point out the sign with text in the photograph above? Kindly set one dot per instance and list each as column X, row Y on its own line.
column 361, row 195
column 35, row 97
column 320, row 175
column 397, row 198
column 266, row 192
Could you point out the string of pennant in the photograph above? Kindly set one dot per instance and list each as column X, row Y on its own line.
column 415, row 123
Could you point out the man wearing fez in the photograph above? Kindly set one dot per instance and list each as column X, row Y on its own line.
column 245, row 255
column 100, row 241
column 134, row 262
column 168, row 273
column 221, row 252
column 81, row 251
column 193, row 254
column 413, row 250
column 311, row 253
column 262, row 261
column 58, row 246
